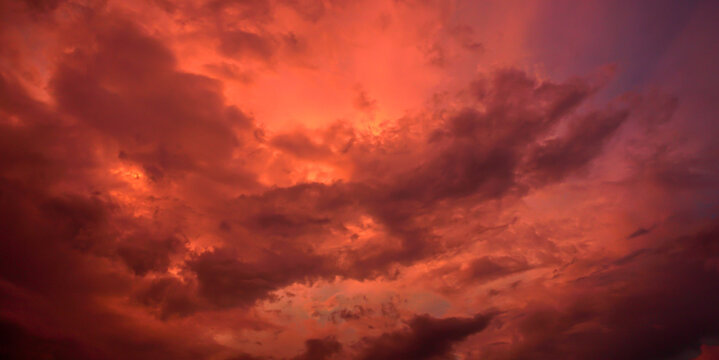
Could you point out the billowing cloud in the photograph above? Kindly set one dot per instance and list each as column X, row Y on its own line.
column 322, row 180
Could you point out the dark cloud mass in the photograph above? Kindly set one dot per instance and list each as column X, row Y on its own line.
column 426, row 338
column 323, row 180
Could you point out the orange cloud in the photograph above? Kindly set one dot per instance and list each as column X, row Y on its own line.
column 305, row 179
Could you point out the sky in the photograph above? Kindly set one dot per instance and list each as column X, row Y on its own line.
column 360, row 180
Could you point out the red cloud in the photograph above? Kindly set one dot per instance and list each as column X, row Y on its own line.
column 155, row 203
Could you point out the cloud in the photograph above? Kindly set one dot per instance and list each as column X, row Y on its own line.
column 655, row 305
column 639, row 232
column 425, row 338
column 18, row 343
column 226, row 281
column 485, row 268
column 557, row 157
column 319, row 349
column 300, row 145
column 208, row 181
column 240, row 43
column 163, row 119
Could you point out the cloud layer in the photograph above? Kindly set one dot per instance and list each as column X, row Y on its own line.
column 318, row 180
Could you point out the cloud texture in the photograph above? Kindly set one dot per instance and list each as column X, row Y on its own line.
column 319, row 180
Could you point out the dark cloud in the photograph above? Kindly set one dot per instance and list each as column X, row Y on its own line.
column 167, row 121
column 657, row 304
column 225, row 280
column 320, row 349
column 486, row 268
column 557, row 157
column 639, row 232
column 169, row 297
column 143, row 256
column 425, row 338
column 17, row 343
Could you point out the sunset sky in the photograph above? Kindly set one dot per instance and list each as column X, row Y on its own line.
column 359, row 180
